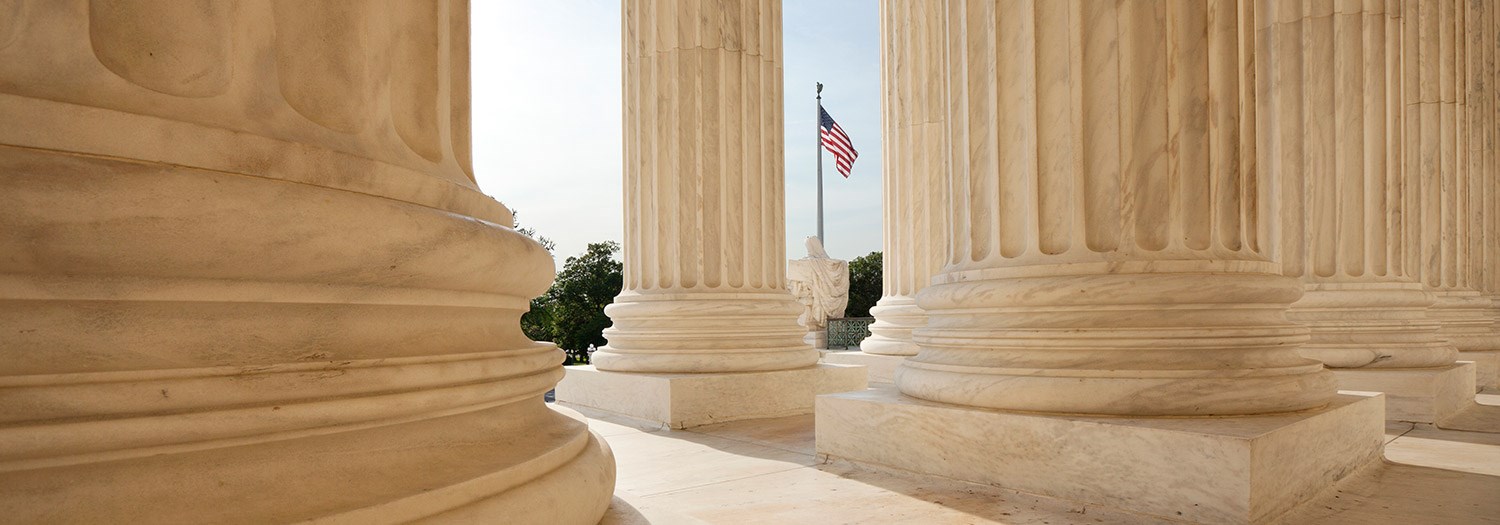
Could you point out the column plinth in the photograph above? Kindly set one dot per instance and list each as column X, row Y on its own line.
column 249, row 276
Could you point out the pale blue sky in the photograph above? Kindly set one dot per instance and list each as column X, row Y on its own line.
column 547, row 117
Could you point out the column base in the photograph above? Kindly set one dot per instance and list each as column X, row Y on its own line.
column 1486, row 367
column 1218, row 470
column 882, row 368
column 689, row 400
column 1417, row 395
column 518, row 463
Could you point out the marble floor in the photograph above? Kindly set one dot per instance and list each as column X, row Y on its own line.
column 766, row 471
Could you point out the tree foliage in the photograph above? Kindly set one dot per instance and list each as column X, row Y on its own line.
column 864, row 284
column 571, row 313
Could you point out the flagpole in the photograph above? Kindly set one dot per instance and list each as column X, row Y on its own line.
column 818, row 123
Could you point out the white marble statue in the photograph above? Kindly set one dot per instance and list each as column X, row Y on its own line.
column 821, row 284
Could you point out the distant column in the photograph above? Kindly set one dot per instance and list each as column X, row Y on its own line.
column 915, row 160
column 1449, row 181
column 1479, row 340
column 1488, row 269
column 705, row 264
column 1111, row 232
column 1336, row 141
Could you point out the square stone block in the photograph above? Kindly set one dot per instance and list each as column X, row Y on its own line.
column 1418, row 395
column 1487, row 367
column 1214, row 470
column 688, row 400
column 882, row 367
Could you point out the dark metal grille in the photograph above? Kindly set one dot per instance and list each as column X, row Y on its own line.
column 848, row 332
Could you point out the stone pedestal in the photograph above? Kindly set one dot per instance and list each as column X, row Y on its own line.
column 248, row 277
column 689, row 400
column 1417, row 395
column 882, row 368
column 1216, row 470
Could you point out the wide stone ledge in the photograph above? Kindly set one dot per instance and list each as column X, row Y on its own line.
column 1417, row 395
column 1247, row 469
column 689, row 400
column 882, row 367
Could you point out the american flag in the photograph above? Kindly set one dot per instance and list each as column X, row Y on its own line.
column 837, row 142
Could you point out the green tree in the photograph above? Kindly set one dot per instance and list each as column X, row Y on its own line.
column 585, row 285
column 864, row 284
column 537, row 322
column 571, row 313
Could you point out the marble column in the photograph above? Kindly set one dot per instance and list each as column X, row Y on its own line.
column 1111, row 253
column 1335, row 138
column 248, row 277
column 1489, row 268
column 1110, row 250
column 705, row 277
column 1478, row 190
column 915, row 160
column 915, row 203
column 1438, row 45
column 705, row 296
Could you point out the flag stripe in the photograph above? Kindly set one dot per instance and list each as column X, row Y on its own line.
column 843, row 148
column 837, row 142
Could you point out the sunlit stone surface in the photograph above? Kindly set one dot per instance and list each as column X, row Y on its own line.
column 247, row 276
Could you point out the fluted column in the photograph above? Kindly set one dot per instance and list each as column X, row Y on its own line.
column 1110, row 243
column 1489, row 269
column 1336, row 141
column 246, row 275
column 1479, row 190
column 1449, row 219
column 916, row 159
column 705, row 284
